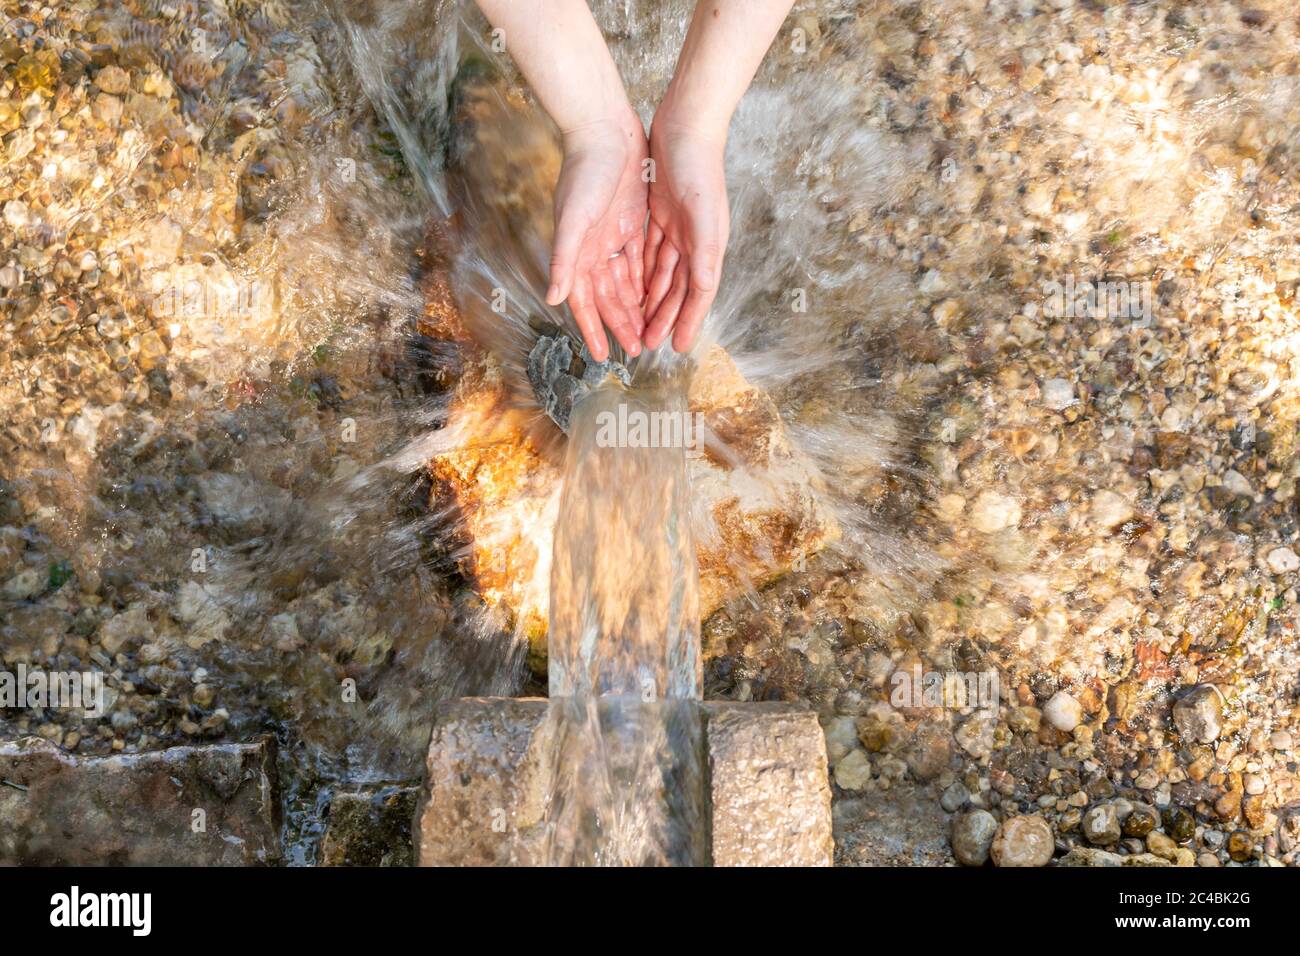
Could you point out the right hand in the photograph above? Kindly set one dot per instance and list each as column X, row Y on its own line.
column 689, row 226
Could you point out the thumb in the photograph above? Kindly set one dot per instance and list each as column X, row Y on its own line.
column 569, row 233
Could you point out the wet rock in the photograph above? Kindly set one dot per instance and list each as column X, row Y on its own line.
column 24, row 585
column 1058, row 394
column 1023, row 841
column 1241, row 846
column 560, row 375
column 1063, row 712
column 1198, row 714
column 1088, row 856
column 992, row 512
column 972, row 837
column 370, row 828
column 194, row 806
column 1101, row 825
column 1109, row 510
column 854, row 771
column 1283, row 561
column 1179, row 824
column 1162, row 846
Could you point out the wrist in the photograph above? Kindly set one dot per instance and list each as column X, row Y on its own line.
column 617, row 126
column 687, row 112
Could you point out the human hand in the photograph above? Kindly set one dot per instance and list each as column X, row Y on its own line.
column 689, row 226
column 597, row 254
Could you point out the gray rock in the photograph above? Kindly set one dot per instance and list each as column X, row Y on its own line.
column 193, row 806
column 1198, row 715
column 1101, row 825
column 972, row 837
column 559, row 377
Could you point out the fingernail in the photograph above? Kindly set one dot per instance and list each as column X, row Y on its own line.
column 553, row 294
column 635, row 350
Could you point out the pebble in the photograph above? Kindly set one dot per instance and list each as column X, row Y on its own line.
column 1283, row 561
column 1023, row 841
column 854, row 771
column 24, row 585
column 1058, row 394
column 973, row 834
column 1161, row 845
column 1241, row 847
column 1141, row 821
column 1179, row 824
column 1101, row 825
column 1110, row 510
column 1198, row 714
column 113, row 79
column 1063, row 712
column 992, row 512
column 954, row 797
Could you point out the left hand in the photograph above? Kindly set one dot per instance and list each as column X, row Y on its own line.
column 597, row 253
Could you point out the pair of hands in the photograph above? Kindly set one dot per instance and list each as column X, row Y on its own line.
column 643, row 282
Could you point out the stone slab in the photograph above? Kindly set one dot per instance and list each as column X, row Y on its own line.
column 58, row 809
column 484, row 802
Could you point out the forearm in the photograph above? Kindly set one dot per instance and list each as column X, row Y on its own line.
column 724, row 46
column 561, row 53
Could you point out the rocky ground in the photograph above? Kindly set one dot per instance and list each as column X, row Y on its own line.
column 1106, row 504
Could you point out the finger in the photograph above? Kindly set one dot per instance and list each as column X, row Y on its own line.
column 661, row 322
column 662, row 280
column 582, row 303
column 569, row 233
column 634, row 253
column 653, row 242
column 691, row 318
column 618, row 270
column 616, row 316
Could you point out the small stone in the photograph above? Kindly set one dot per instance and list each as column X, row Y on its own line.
column 1255, row 784
column 1109, row 510
column 972, row 837
column 16, row 213
column 954, row 797
column 1240, row 846
column 854, row 771
column 204, row 695
column 992, row 512
column 1228, row 806
column 1058, row 394
column 1101, row 825
column 24, row 585
column 107, row 109
column 1283, row 561
column 1198, row 714
column 1063, row 712
column 1141, row 821
column 113, row 79
column 1179, row 824
column 1161, row 845
column 1207, row 859
column 841, row 735
column 1280, row 740
column 1023, row 841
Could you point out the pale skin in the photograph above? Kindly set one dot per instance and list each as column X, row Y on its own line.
column 641, row 260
